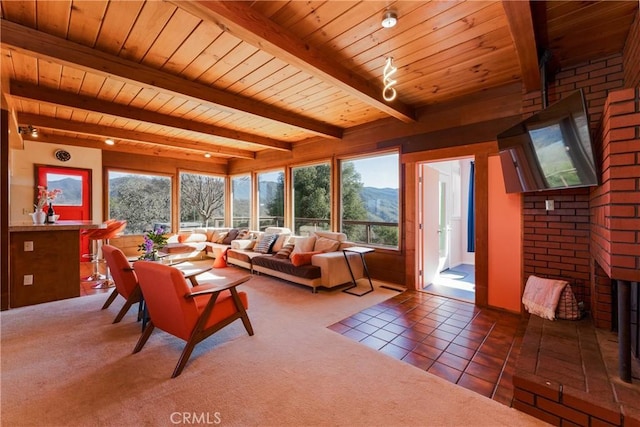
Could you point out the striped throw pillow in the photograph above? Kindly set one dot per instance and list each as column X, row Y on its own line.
column 265, row 244
column 285, row 252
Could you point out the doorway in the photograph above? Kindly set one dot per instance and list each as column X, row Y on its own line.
column 74, row 201
column 447, row 262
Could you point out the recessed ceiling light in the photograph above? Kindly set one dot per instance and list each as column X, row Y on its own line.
column 389, row 19
column 207, row 155
column 109, row 141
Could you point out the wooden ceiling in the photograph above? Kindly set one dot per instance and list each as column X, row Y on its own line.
column 183, row 78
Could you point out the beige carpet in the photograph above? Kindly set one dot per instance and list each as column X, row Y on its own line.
column 65, row 364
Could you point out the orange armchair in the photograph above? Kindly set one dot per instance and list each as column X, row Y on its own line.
column 189, row 313
column 125, row 280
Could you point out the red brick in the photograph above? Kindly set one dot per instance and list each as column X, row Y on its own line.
column 623, row 184
column 563, row 411
column 622, row 134
column 535, row 412
column 622, row 95
column 622, row 108
column 625, row 159
column 625, row 121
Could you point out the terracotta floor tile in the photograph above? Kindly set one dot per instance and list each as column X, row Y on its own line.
column 394, row 351
column 476, row 384
column 373, row 342
column 453, row 361
column 460, row 351
column 428, row 351
column 418, row 360
column 445, row 372
column 405, row 342
column 366, row 328
column 384, row 335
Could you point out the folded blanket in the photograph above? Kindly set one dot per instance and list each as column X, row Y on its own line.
column 541, row 296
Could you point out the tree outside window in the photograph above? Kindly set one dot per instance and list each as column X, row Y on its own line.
column 201, row 200
column 143, row 200
column 270, row 200
column 370, row 200
column 241, row 200
column 311, row 198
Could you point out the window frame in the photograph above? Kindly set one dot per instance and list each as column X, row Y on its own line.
column 355, row 157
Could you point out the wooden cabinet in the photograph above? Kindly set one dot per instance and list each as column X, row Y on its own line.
column 52, row 266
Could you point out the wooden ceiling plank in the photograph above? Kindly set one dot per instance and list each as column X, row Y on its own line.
column 129, row 135
column 117, row 24
column 52, row 17
column 521, row 26
column 192, row 47
column 16, row 37
column 179, row 27
column 153, row 17
column 22, row 12
column 86, row 20
column 248, row 25
column 85, row 103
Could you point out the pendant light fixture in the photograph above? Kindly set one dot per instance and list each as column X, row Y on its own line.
column 389, row 93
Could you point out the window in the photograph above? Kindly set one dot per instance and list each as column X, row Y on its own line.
column 311, row 198
column 271, row 199
column 201, row 200
column 241, row 201
column 370, row 200
column 143, row 200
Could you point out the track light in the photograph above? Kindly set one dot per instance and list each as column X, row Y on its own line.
column 28, row 129
column 389, row 19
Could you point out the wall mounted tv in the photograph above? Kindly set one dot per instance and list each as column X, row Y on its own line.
column 550, row 150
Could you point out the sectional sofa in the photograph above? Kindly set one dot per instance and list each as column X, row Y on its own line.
column 315, row 261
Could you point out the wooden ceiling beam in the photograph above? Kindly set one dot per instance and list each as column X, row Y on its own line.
column 45, row 46
column 148, row 149
column 241, row 20
column 521, row 27
column 55, row 97
column 129, row 135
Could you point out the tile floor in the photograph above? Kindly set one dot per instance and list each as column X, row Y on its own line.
column 472, row 347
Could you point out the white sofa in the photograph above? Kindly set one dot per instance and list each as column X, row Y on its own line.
column 327, row 267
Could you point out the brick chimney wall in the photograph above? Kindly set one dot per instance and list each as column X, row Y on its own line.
column 615, row 205
column 557, row 244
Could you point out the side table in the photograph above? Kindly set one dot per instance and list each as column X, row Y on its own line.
column 361, row 251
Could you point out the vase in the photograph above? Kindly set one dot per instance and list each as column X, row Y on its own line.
column 38, row 217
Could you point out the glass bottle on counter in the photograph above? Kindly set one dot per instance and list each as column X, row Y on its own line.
column 51, row 215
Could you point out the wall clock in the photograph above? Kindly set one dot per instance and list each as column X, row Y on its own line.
column 62, row 155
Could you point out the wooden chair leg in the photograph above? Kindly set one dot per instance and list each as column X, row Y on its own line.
column 123, row 311
column 184, row 357
column 111, row 298
column 144, row 337
column 243, row 313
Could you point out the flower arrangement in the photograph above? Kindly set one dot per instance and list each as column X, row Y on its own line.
column 153, row 241
column 45, row 196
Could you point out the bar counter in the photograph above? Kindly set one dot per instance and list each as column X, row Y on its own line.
column 45, row 261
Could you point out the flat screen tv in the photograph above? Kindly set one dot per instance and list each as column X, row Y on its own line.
column 550, row 150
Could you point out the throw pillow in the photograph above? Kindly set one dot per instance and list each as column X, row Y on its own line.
column 182, row 238
column 304, row 244
column 230, row 236
column 194, row 237
column 282, row 240
column 326, row 245
column 243, row 234
column 302, row 258
column 285, row 252
column 218, row 236
column 221, row 261
column 265, row 244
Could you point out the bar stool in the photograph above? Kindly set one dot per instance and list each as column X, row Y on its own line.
column 98, row 237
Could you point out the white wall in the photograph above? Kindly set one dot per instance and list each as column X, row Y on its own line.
column 22, row 175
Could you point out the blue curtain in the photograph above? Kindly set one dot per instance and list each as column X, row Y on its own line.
column 471, row 229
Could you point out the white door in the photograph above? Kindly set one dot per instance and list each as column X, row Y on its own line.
column 430, row 220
